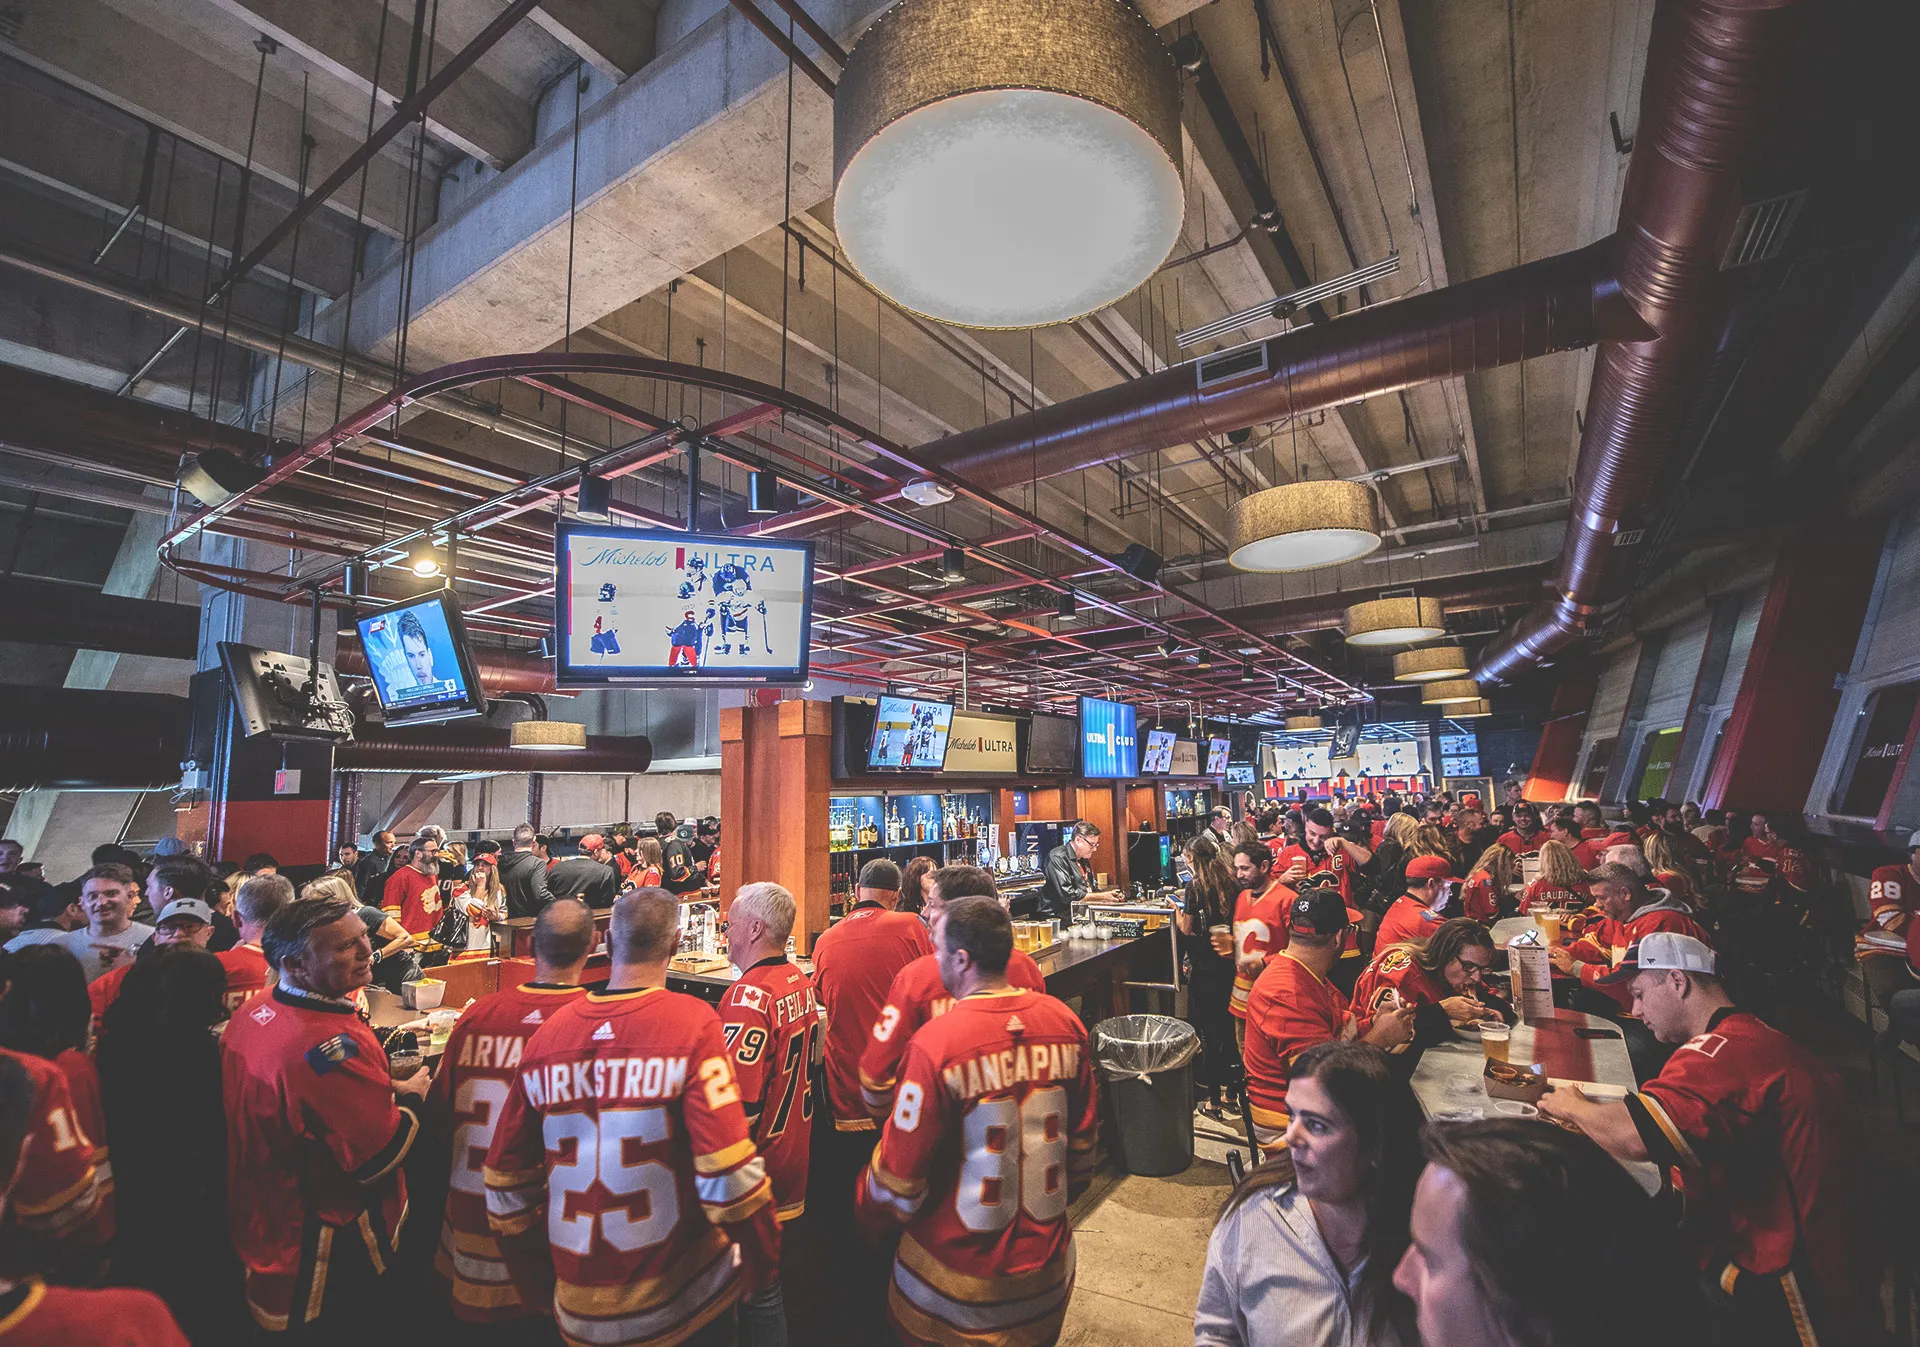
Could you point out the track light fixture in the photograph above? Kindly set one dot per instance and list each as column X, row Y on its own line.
column 1068, row 606
column 425, row 560
column 953, row 564
column 594, row 498
column 763, row 491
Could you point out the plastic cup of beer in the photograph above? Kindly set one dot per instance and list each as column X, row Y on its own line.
column 1494, row 1038
column 1222, row 937
column 1549, row 922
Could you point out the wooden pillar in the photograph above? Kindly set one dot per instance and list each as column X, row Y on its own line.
column 774, row 783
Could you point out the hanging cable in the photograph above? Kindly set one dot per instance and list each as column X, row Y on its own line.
column 573, row 215
column 292, row 297
column 359, row 220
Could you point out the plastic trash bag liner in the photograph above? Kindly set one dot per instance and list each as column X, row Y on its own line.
column 1143, row 1045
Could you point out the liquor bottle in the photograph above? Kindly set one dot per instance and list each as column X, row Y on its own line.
column 919, row 826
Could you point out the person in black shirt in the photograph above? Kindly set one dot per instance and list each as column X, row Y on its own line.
column 587, row 876
column 1206, row 928
column 679, row 873
column 1069, row 877
column 523, row 874
column 371, row 870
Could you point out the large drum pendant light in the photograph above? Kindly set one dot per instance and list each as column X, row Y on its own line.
column 1452, row 692
column 1302, row 526
column 1303, row 722
column 548, row 736
column 1469, row 710
column 1429, row 665
column 1405, row 620
column 1008, row 163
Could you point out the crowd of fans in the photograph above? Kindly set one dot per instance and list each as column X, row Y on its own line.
column 209, row 1141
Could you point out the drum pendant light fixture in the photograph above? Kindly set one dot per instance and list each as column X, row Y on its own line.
column 1403, row 620
column 1469, row 710
column 1302, row 526
column 1008, row 163
column 1450, row 692
column 548, row 736
column 1303, row 722
column 1431, row 664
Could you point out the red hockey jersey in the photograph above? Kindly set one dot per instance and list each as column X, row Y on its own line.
column 38, row 1315
column 992, row 1132
column 1893, row 896
column 621, row 1182
column 55, row 1202
column 314, row 1138
column 771, row 1021
column 1773, row 1165
column 1290, row 1009
column 916, row 996
column 1260, row 925
column 1545, row 893
column 1478, row 898
column 1392, row 973
column 414, row 898
column 247, row 974
column 1408, row 919
column 854, row 964
column 1606, row 942
column 483, row 1054
column 1523, row 846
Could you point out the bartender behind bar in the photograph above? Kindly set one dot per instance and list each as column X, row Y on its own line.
column 1069, row 877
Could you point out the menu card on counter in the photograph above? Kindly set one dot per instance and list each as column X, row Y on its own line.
column 1532, row 976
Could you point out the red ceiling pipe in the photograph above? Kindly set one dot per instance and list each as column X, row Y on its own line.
column 1556, row 304
column 477, row 748
column 1714, row 77
column 500, row 670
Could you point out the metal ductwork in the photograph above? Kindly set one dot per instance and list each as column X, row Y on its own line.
column 1556, row 304
column 82, row 739
column 476, row 748
column 50, row 613
column 1714, row 74
column 500, row 670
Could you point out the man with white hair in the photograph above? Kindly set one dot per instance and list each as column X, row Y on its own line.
column 771, row 1020
column 1764, row 1132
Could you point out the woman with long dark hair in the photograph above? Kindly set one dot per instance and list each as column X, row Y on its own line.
column 1206, row 922
column 1442, row 979
column 160, row 1070
column 913, row 884
column 1305, row 1249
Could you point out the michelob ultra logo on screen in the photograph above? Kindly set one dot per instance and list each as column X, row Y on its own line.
column 644, row 605
column 1108, row 747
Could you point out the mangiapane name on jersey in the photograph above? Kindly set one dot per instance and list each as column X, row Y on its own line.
column 990, row 1071
column 605, row 1080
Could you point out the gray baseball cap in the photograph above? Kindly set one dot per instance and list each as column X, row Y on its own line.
column 192, row 909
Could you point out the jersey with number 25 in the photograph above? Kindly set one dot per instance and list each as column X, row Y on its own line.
column 992, row 1132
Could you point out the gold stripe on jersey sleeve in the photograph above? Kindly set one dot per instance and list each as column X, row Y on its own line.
column 481, row 1246
column 854, row 1125
column 792, row 1212
column 724, row 1159
column 925, row 1328
column 475, row 1296
column 745, row 1207
column 981, row 1290
column 892, row 1182
column 322, row 1260
column 60, row 1199
column 1672, row 1133
column 606, row 1302
column 507, row 1180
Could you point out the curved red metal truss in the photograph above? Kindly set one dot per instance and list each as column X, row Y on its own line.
column 549, row 371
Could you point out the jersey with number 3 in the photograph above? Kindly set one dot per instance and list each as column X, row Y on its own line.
column 622, row 1174
column 771, row 1020
column 483, row 1054
column 992, row 1130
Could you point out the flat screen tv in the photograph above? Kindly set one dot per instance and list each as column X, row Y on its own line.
column 1052, row 744
column 659, row 607
column 910, row 735
column 1109, row 748
column 1240, row 774
column 1156, row 759
column 1217, row 750
column 422, row 666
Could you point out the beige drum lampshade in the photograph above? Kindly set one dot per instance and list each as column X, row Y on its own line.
column 1450, row 692
column 1302, row 526
column 1303, row 722
column 1469, row 710
column 549, row 736
column 1405, row 620
column 1430, row 664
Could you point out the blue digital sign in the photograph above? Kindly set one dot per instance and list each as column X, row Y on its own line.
column 1109, row 749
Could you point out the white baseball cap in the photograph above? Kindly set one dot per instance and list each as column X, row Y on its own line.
column 1662, row 952
column 1913, row 842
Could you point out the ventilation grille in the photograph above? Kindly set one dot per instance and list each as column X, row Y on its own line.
column 1762, row 231
column 1228, row 366
column 1629, row 537
column 11, row 22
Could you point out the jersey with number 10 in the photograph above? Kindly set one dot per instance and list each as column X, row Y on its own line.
column 482, row 1057
column 622, row 1171
column 771, row 1020
column 991, row 1132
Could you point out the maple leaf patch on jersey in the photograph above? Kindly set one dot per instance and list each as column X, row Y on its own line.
column 751, row 997
column 1707, row 1045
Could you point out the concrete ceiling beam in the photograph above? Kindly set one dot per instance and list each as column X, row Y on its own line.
column 342, row 38
column 615, row 37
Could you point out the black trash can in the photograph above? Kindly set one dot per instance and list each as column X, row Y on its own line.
column 1147, row 1061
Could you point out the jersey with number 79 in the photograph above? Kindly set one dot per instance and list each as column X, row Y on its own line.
column 621, row 1181
column 771, row 1020
column 992, row 1133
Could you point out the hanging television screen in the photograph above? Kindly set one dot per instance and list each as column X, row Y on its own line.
column 1052, row 744
column 1389, row 757
column 421, row 664
column 660, row 607
column 910, row 735
column 1217, row 750
column 1109, row 749
column 1157, row 758
column 1240, row 774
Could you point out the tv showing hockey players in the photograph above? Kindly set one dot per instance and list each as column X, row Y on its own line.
column 1157, row 758
column 1217, row 750
column 910, row 735
column 418, row 657
column 657, row 607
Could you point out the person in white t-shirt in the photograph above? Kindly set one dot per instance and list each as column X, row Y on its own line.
column 108, row 893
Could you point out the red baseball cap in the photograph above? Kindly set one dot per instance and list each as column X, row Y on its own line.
column 592, row 842
column 1429, row 867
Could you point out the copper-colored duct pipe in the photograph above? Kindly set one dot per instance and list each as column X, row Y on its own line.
column 1556, row 304
column 459, row 748
column 500, row 670
column 1714, row 76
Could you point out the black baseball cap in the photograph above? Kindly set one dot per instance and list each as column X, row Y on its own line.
column 1320, row 911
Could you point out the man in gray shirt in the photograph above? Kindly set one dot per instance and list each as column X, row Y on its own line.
column 108, row 893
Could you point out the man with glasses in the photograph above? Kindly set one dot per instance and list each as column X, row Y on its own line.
column 1443, row 981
